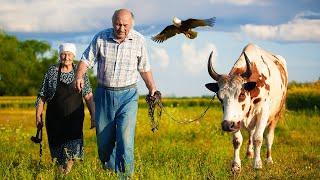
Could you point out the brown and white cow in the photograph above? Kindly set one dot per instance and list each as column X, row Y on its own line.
column 252, row 96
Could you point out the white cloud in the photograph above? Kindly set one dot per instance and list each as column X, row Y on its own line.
column 307, row 15
column 160, row 55
column 239, row 2
column 195, row 59
column 55, row 15
column 299, row 29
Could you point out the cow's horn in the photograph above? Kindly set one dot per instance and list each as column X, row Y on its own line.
column 248, row 72
column 211, row 71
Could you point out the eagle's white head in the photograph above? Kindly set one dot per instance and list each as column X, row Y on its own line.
column 176, row 22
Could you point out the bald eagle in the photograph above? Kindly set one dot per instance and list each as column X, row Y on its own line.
column 184, row 27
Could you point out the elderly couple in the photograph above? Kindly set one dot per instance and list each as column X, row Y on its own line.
column 120, row 53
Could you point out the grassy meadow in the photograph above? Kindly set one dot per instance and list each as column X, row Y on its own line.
column 198, row 150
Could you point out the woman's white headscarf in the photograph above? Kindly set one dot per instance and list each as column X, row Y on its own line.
column 67, row 47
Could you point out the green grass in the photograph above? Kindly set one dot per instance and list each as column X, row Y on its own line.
column 176, row 151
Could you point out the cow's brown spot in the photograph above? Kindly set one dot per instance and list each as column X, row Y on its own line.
column 254, row 92
column 248, row 113
column 243, row 106
column 267, row 87
column 260, row 82
column 257, row 143
column 255, row 73
column 282, row 71
column 256, row 100
column 252, row 123
column 268, row 153
column 249, row 154
column 266, row 65
column 242, row 96
column 236, row 143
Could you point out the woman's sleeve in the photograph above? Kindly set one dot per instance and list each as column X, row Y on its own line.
column 43, row 89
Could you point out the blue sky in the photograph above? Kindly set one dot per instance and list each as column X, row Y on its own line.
column 285, row 27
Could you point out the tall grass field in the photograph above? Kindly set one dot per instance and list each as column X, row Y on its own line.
column 198, row 150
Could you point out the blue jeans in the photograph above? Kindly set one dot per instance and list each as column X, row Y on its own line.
column 116, row 112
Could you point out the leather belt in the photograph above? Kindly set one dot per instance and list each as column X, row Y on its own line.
column 117, row 88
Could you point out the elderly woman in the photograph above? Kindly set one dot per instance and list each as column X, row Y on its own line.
column 65, row 109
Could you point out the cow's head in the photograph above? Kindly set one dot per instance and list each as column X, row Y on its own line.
column 233, row 93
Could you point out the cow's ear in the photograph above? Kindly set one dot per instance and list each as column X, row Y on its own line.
column 212, row 87
column 248, row 86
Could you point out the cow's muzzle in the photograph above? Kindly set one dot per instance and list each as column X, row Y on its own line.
column 230, row 126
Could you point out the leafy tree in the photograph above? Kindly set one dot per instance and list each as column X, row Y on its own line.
column 23, row 64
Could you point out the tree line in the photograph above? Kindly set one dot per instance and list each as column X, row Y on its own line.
column 23, row 65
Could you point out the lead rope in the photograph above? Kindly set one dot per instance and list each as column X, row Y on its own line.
column 155, row 104
column 38, row 139
column 40, row 148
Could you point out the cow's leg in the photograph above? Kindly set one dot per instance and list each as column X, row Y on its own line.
column 237, row 142
column 270, row 137
column 250, row 144
column 258, row 138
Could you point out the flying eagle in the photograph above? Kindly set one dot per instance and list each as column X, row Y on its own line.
column 184, row 27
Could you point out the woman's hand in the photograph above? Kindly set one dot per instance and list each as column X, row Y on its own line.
column 39, row 110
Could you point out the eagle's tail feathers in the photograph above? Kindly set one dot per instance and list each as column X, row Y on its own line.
column 211, row 21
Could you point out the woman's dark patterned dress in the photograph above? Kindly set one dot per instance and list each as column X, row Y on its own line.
column 64, row 115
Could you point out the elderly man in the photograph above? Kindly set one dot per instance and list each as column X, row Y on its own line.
column 121, row 55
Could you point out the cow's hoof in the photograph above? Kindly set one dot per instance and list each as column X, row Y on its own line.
column 257, row 164
column 269, row 160
column 249, row 155
column 236, row 168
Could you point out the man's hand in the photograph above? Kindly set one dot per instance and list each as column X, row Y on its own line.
column 78, row 84
column 151, row 93
column 156, row 96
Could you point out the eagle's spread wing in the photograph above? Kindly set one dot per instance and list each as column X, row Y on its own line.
column 193, row 23
column 165, row 34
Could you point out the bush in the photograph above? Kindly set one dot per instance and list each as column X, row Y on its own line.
column 303, row 96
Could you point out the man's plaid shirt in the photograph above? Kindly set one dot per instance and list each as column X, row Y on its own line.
column 118, row 64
